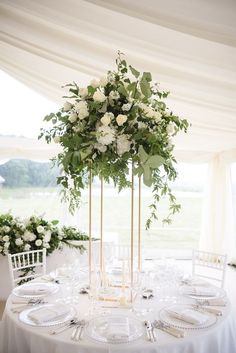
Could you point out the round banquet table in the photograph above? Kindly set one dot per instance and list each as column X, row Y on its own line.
column 19, row 337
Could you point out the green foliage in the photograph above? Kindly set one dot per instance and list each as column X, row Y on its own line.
column 112, row 124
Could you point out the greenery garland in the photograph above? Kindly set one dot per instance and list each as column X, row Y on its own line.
column 118, row 121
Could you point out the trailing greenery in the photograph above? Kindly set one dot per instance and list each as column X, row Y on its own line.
column 112, row 125
column 34, row 233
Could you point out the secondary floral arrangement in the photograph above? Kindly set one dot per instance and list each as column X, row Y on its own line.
column 117, row 121
column 34, row 233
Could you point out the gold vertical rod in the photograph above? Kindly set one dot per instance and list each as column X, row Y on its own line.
column 139, row 224
column 132, row 227
column 101, row 228
column 90, row 224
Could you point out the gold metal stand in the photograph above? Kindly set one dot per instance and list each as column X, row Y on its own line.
column 101, row 229
column 139, row 225
column 90, row 224
column 132, row 227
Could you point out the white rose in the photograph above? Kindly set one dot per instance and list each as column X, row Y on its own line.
column 94, row 83
column 56, row 139
column 114, row 95
column 105, row 135
column 40, row 229
column 47, row 236
column 80, row 105
column 157, row 116
column 106, row 119
column 32, row 237
column 100, row 147
column 83, row 113
column 27, row 247
column 6, row 229
column 141, row 125
column 149, row 112
column 18, row 242
column 5, row 238
column 83, row 92
column 170, row 128
column 38, row 242
column 67, row 106
column 103, row 81
column 126, row 107
column 123, row 144
column 99, row 97
column 121, row 119
column 72, row 117
column 6, row 245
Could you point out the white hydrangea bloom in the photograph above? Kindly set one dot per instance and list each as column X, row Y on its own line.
column 106, row 119
column 126, row 107
column 19, row 242
column 105, row 135
column 123, row 144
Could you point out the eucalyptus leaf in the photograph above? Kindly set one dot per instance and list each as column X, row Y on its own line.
column 155, row 161
column 147, row 176
column 134, row 71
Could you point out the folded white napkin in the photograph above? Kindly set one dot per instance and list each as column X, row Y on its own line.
column 188, row 315
column 33, row 290
column 118, row 329
column 45, row 314
column 216, row 302
column 201, row 291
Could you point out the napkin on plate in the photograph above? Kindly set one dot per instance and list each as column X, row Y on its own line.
column 118, row 329
column 33, row 290
column 188, row 315
column 45, row 314
column 201, row 291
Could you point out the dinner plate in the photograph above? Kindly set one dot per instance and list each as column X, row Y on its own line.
column 166, row 317
column 47, row 289
column 98, row 329
column 24, row 316
column 219, row 293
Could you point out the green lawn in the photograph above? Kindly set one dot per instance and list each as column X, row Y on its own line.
column 182, row 233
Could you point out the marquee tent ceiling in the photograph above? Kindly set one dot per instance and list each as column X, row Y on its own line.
column 188, row 45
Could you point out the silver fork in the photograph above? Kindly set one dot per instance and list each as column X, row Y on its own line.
column 78, row 335
column 150, row 331
column 65, row 327
column 20, row 308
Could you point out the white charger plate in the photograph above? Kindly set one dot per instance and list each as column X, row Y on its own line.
column 172, row 321
column 24, row 316
column 219, row 293
column 48, row 289
column 97, row 329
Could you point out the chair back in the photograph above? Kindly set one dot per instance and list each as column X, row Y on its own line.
column 34, row 261
column 209, row 265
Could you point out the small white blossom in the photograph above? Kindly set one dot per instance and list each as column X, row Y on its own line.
column 72, row 117
column 47, row 236
column 126, row 107
column 123, row 144
column 106, row 119
column 67, row 106
column 6, row 245
column 103, row 81
column 38, row 242
column 56, row 139
column 105, row 135
column 19, row 242
column 121, row 119
column 99, row 97
column 100, row 147
column 114, row 95
column 83, row 92
column 170, row 128
column 27, row 247
column 94, row 83
column 111, row 77
column 5, row 238
column 40, row 229
column 6, row 229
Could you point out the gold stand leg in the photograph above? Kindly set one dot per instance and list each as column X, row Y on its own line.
column 132, row 228
column 90, row 224
column 101, row 229
column 139, row 225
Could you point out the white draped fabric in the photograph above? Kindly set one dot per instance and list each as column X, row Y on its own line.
column 188, row 46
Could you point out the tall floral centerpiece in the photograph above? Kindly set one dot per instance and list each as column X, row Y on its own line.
column 116, row 124
column 117, row 120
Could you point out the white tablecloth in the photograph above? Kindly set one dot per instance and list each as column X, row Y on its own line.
column 22, row 338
